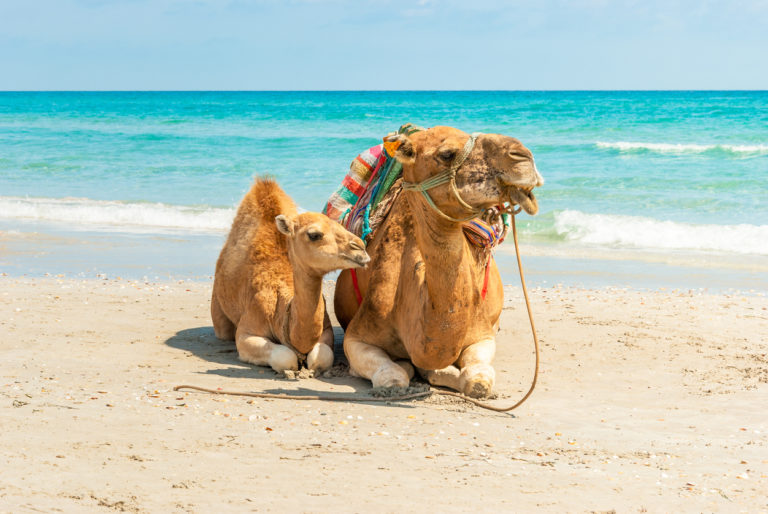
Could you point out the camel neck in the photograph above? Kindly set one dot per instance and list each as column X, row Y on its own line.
column 439, row 239
column 305, row 318
column 450, row 271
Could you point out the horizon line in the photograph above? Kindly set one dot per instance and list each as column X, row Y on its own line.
column 374, row 90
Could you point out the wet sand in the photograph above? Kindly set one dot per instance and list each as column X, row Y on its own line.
column 646, row 401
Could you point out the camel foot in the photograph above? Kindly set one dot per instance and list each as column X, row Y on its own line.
column 282, row 358
column 390, row 375
column 476, row 381
column 446, row 377
column 320, row 358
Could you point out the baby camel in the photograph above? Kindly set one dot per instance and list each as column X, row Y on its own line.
column 267, row 291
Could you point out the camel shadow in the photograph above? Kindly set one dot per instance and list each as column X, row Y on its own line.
column 203, row 343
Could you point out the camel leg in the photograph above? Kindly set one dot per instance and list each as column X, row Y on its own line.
column 445, row 377
column 327, row 336
column 222, row 325
column 409, row 369
column 320, row 357
column 477, row 375
column 373, row 363
column 263, row 352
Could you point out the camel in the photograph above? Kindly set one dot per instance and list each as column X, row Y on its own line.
column 422, row 294
column 267, row 290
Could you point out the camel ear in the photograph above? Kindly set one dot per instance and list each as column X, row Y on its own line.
column 401, row 147
column 284, row 224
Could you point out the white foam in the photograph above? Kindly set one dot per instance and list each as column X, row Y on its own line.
column 647, row 233
column 134, row 216
column 625, row 146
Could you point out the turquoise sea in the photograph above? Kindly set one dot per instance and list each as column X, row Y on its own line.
column 646, row 189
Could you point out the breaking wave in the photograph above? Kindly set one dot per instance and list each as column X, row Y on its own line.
column 603, row 230
column 619, row 231
column 117, row 215
column 625, row 146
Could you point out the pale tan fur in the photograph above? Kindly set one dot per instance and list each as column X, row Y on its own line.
column 422, row 291
column 267, row 288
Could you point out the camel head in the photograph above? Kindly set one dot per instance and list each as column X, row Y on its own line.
column 498, row 169
column 321, row 245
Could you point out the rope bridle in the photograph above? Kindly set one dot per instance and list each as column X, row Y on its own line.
column 448, row 175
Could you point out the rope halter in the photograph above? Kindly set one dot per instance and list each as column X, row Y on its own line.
column 448, row 175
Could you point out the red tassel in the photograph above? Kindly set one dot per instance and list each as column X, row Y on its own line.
column 358, row 296
column 485, row 280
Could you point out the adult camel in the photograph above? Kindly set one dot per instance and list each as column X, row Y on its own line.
column 427, row 296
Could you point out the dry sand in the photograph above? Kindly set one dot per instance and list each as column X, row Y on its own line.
column 647, row 401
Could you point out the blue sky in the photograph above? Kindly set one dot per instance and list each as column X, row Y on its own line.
column 348, row 44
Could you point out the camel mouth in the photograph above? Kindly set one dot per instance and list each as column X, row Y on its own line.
column 524, row 198
column 359, row 261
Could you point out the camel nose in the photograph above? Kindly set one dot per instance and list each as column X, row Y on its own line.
column 359, row 254
column 539, row 178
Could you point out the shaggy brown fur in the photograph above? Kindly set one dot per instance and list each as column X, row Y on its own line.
column 267, row 288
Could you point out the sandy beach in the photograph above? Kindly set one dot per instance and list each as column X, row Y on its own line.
column 647, row 401
column 627, row 139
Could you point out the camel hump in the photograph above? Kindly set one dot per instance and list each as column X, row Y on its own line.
column 268, row 199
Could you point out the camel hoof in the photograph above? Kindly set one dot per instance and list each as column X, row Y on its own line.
column 283, row 358
column 390, row 375
column 320, row 358
column 477, row 381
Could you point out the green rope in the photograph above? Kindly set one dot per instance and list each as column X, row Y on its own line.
column 366, row 223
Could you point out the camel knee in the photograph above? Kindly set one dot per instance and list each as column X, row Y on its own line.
column 320, row 358
column 282, row 358
column 477, row 380
column 373, row 363
column 263, row 352
column 390, row 375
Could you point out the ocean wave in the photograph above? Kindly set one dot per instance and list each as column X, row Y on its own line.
column 117, row 215
column 619, row 231
column 626, row 146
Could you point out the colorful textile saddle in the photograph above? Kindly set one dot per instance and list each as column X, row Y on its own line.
column 368, row 191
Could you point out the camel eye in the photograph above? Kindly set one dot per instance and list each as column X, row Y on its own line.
column 315, row 236
column 446, row 155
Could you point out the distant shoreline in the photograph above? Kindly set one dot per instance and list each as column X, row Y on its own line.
column 378, row 91
column 88, row 254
